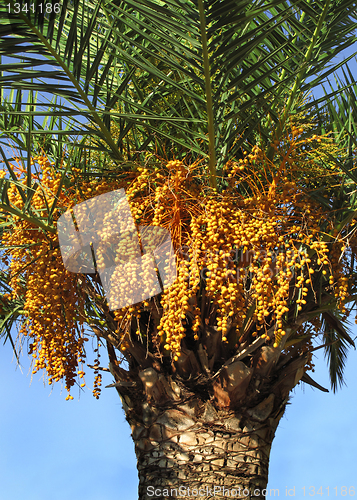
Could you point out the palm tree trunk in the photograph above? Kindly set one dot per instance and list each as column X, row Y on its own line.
column 206, row 437
column 193, row 450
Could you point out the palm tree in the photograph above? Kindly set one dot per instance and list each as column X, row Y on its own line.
column 200, row 111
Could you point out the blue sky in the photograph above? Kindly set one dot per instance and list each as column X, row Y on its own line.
column 81, row 449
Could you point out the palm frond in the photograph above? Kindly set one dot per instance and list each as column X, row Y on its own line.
column 10, row 311
column 181, row 76
column 336, row 342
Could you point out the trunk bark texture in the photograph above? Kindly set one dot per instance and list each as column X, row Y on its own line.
column 206, row 454
column 192, row 447
column 203, row 435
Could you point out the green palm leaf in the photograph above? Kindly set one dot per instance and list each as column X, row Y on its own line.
column 199, row 76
